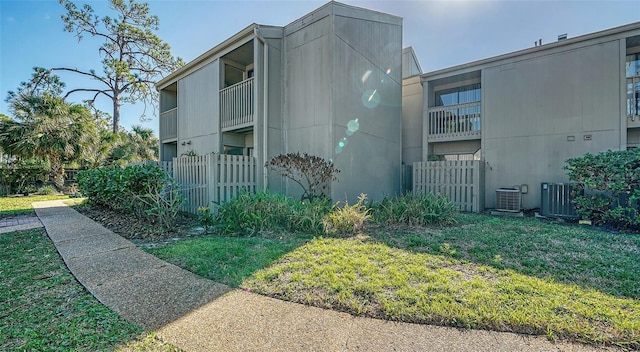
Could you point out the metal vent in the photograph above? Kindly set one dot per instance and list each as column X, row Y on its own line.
column 508, row 199
column 557, row 200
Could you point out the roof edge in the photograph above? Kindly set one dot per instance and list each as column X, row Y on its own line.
column 202, row 57
column 585, row 37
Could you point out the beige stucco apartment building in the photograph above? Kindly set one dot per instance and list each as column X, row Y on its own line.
column 524, row 113
column 328, row 84
column 336, row 83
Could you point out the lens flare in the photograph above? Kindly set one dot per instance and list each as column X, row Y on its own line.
column 389, row 71
column 366, row 75
column 371, row 98
column 353, row 126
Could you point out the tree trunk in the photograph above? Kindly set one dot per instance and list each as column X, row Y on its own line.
column 57, row 173
column 116, row 114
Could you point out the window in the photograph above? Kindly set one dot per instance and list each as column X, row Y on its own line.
column 633, row 65
column 229, row 150
column 632, row 69
column 458, row 95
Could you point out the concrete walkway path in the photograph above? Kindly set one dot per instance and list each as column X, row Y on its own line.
column 197, row 314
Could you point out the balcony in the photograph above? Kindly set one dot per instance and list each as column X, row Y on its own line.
column 169, row 124
column 454, row 122
column 236, row 105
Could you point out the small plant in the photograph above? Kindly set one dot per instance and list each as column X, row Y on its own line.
column 347, row 220
column 447, row 250
column 47, row 190
column 190, row 152
column 250, row 214
column 206, row 218
column 29, row 189
column 311, row 172
column 412, row 210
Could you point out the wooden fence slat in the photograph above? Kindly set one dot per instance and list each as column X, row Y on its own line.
column 460, row 180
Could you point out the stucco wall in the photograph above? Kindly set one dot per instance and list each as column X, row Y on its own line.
column 197, row 110
column 412, row 104
column 538, row 112
column 344, row 64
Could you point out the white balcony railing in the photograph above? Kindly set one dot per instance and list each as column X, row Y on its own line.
column 459, row 121
column 236, row 105
column 169, row 124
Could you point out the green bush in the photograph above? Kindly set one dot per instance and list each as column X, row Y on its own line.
column 249, row 214
column 348, row 219
column 19, row 175
column 610, row 187
column 143, row 190
column 47, row 190
column 412, row 210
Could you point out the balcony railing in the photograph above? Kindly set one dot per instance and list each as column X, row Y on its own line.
column 236, row 105
column 460, row 121
column 169, row 124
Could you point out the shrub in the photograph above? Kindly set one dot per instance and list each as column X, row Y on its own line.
column 17, row 175
column 249, row 214
column 143, row 190
column 610, row 187
column 347, row 220
column 47, row 190
column 311, row 172
column 412, row 210
column 206, row 218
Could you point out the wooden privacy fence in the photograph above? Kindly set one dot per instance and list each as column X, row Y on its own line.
column 462, row 181
column 213, row 178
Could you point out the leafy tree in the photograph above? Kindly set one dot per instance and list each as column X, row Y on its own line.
column 311, row 172
column 48, row 128
column 136, row 146
column 122, row 148
column 132, row 55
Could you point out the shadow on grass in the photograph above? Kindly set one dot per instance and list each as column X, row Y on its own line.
column 567, row 253
column 228, row 260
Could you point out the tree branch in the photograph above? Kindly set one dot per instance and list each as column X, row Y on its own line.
column 82, row 73
column 98, row 91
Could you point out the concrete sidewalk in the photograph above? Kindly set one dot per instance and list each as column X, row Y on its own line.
column 197, row 314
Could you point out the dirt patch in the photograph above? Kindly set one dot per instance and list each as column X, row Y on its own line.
column 140, row 230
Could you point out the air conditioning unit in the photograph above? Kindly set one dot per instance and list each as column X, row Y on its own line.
column 508, row 199
column 557, row 199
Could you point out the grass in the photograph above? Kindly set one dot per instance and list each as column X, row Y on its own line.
column 43, row 307
column 571, row 254
column 374, row 279
column 227, row 260
column 20, row 205
column 521, row 275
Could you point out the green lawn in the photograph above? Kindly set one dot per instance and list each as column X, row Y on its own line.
column 43, row 307
column 521, row 275
column 227, row 260
column 22, row 205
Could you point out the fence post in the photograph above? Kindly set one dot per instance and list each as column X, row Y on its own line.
column 212, row 179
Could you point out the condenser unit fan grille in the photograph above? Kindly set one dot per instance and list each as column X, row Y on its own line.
column 508, row 199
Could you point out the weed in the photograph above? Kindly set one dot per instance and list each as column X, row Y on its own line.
column 348, row 219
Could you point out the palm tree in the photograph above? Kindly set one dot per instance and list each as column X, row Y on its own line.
column 48, row 128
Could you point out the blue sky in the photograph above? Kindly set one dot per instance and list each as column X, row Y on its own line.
column 443, row 33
